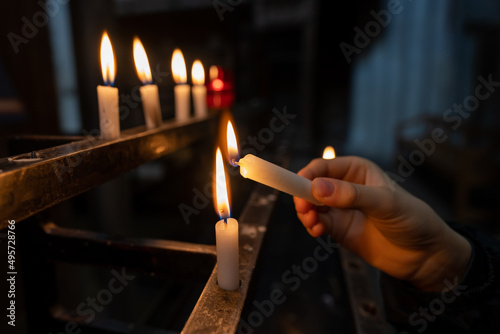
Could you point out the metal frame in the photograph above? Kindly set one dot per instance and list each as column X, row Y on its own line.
column 35, row 181
column 365, row 299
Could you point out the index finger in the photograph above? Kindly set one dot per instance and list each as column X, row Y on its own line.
column 344, row 168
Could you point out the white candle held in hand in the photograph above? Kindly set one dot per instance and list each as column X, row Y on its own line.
column 149, row 92
column 226, row 233
column 274, row 176
column 107, row 96
column 182, row 91
column 199, row 89
column 262, row 171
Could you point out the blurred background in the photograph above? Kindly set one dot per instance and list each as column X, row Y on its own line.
column 412, row 85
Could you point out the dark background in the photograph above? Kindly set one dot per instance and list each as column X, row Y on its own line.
column 282, row 54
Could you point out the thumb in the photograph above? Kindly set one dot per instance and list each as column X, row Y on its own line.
column 346, row 195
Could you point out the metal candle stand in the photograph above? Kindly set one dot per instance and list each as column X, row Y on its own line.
column 33, row 182
column 36, row 181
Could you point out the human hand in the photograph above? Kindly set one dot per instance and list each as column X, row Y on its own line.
column 392, row 230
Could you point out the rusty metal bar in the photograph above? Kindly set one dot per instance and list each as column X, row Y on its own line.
column 152, row 256
column 35, row 181
column 364, row 295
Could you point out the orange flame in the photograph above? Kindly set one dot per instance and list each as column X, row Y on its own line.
column 328, row 153
column 221, row 188
column 178, row 67
column 141, row 62
column 198, row 73
column 233, row 153
column 107, row 60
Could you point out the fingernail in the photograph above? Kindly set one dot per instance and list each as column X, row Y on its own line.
column 323, row 187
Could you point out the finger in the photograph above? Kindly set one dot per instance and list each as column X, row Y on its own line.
column 301, row 205
column 337, row 223
column 377, row 201
column 340, row 168
column 318, row 230
column 308, row 219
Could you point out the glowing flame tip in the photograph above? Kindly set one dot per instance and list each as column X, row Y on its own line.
column 232, row 145
column 198, row 73
column 178, row 67
column 141, row 62
column 221, row 188
column 329, row 153
column 107, row 60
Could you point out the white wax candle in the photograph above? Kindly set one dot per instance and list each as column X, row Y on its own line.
column 182, row 97
column 200, row 100
column 199, row 90
column 151, row 105
column 228, row 271
column 277, row 177
column 109, row 120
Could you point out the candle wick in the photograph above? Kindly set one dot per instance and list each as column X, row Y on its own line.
column 222, row 213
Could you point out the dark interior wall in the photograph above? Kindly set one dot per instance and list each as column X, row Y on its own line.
column 27, row 64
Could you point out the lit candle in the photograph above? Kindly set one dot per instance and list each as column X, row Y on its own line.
column 226, row 232
column 107, row 96
column 328, row 153
column 149, row 92
column 182, row 91
column 262, row 171
column 199, row 90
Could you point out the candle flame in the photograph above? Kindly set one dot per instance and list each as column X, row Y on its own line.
column 221, row 189
column 214, row 72
column 329, row 153
column 198, row 73
column 141, row 62
column 107, row 60
column 232, row 145
column 178, row 67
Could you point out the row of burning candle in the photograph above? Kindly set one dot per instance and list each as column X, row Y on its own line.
column 259, row 170
column 108, row 96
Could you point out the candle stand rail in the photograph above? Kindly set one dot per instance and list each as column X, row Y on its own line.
column 34, row 181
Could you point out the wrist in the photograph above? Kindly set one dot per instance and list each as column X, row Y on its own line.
column 446, row 266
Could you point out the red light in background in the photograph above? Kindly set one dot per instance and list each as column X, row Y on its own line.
column 220, row 93
column 218, row 85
